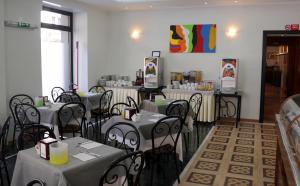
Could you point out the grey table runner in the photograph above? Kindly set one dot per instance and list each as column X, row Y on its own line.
column 75, row 173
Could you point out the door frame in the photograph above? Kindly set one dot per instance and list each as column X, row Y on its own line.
column 263, row 69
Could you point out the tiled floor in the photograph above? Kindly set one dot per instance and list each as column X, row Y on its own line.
column 230, row 156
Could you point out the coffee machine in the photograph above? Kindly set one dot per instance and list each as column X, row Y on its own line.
column 153, row 77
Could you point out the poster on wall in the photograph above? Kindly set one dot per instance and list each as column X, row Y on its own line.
column 193, row 38
column 229, row 73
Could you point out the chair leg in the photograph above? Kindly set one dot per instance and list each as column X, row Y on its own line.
column 14, row 134
column 177, row 169
column 6, row 171
column 1, row 177
column 198, row 140
column 100, row 131
column 152, row 170
column 185, row 143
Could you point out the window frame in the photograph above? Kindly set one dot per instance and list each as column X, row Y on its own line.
column 62, row 28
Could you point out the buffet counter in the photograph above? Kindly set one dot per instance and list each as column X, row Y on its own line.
column 207, row 110
column 120, row 94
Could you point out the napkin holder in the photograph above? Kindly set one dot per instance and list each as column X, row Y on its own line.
column 129, row 112
column 45, row 147
column 59, row 153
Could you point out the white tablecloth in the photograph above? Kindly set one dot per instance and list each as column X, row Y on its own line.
column 120, row 94
column 207, row 110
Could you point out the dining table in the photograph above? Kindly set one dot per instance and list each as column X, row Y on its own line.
column 49, row 113
column 161, row 107
column 76, row 172
column 144, row 125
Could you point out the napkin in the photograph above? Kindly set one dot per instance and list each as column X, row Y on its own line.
column 90, row 145
column 84, row 156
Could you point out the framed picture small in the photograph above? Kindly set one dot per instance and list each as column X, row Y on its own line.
column 155, row 53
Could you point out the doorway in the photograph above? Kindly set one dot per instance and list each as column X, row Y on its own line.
column 56, row 49
column 280, row 71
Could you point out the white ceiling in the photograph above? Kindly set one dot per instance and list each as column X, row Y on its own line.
column 161, row 4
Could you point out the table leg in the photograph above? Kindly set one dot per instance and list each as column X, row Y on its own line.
column 238, row 117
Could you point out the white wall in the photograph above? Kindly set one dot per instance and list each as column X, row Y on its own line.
column 23, row 49
column 80, row 36
column 126, row 55
column 2, row 66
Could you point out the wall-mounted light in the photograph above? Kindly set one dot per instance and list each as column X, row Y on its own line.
column 136, row 34
column 232, row 32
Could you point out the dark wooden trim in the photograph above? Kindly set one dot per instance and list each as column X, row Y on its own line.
column 56, row 27
column 50, row 9
column 263, row 69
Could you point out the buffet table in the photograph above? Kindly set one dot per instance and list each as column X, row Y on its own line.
column 120, row 94
column 207, row 110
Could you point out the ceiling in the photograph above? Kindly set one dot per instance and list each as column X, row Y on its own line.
column 162, row 4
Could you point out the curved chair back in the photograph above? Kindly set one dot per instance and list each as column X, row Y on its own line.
column 18, row 99
column 31, row 135
column 56, row 92
column 178, row 108
column 68, row 96
column 118, row 108
column 71, row 118
column 195, row 103
column 97, row 89
column 165, row 133
column 3, row 136
column 105, row 101
column 123, row 135
column 132, row 103
column 36, row 182
column 27, row 114
column 130, row 165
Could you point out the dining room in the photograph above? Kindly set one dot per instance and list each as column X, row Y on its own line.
column 144, row 92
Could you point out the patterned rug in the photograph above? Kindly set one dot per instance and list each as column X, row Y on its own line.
column 230, row 156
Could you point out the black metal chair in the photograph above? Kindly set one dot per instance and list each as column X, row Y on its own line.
column 56, row 92
column 71, row 119
column 167, row 130
column 3, row 145
column 97, row 89
column 124, row 136
column 195, row 103
column 129, row 166
column 103, row 111
column 36, row 182
column 180, row 108
column 68, row 96
column 132, row 103
column 31, row 135
column 118, row 108
column 27, row 115
column 18, row 99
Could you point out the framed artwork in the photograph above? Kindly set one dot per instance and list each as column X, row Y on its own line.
column 193, row 38
column 155, row 53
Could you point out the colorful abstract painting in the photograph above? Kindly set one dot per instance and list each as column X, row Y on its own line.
column 193, row 38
